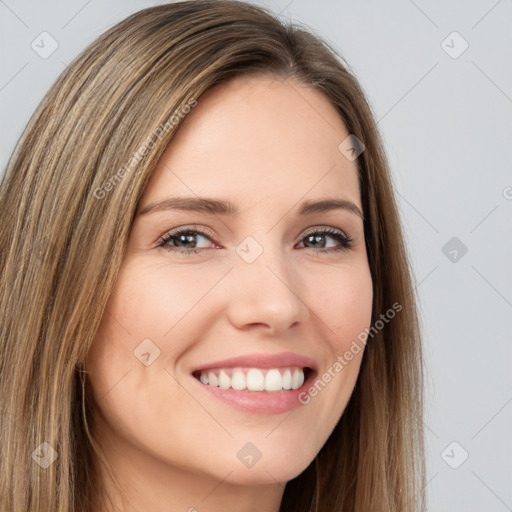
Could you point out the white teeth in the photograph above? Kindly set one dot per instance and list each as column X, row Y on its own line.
column 238, row 380
column 273, row 381
column 224, row 380
column 254, row 379
column 287, row 379
column 212, row 379
column 297, row 379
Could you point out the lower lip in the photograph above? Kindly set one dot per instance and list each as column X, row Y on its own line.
column 259, row 402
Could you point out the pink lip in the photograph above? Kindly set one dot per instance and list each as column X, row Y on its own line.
column 259, row 402
column 280, row 360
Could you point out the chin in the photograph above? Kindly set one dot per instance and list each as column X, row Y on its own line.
column 265, row 475
column 275, row 467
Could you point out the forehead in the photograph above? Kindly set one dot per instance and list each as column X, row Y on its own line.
column 258, row 137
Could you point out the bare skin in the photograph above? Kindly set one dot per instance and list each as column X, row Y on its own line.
column 266, row 145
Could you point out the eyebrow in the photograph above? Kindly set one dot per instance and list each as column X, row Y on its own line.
column 227, row 208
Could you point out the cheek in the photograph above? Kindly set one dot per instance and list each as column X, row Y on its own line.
column 343, row 304
column 343, row 301
column 152, row 301
column 149, row 302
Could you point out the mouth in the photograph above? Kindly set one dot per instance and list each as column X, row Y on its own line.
column 269, row 380
column 259, row 383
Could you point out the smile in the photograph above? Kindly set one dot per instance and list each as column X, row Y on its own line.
column 254, row 379
column 257, row 383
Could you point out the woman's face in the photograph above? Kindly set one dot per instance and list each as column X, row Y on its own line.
column 254, row 297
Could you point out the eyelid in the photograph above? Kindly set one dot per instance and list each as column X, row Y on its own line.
column 205, row 230
column 314, row 229
column 340, row 235
column 202, row 230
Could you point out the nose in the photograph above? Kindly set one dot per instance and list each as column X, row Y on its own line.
column 266, row 293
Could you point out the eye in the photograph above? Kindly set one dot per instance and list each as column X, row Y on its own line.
column 184, row 240
column 319, row 236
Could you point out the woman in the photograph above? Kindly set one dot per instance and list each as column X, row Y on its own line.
column 206, row 302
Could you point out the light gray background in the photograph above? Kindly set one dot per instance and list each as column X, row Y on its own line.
column 446, row 125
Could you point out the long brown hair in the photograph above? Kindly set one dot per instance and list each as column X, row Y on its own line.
column 67, row 201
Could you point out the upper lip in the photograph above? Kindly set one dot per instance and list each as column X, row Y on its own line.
column 280, row 360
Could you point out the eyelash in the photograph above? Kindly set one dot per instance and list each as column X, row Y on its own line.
column 345, row 241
